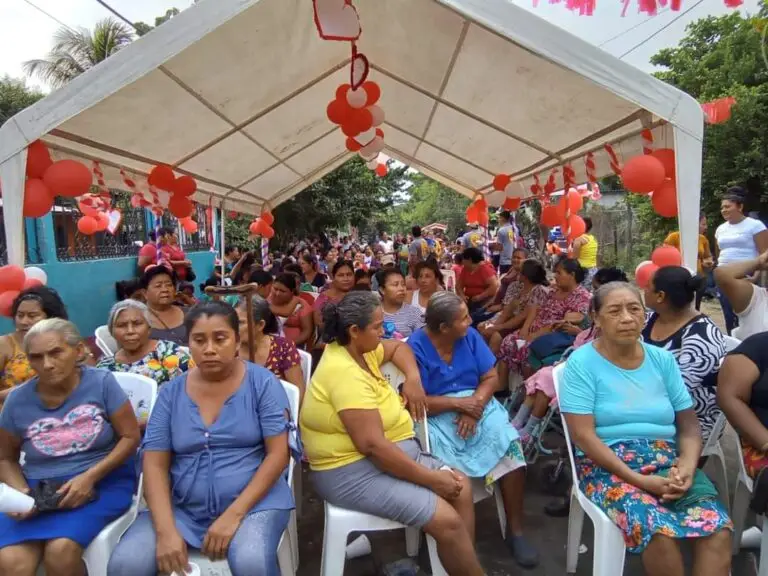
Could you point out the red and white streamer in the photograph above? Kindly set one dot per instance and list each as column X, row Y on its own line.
column 647, row 137
column 591, row 170
column 615, row 166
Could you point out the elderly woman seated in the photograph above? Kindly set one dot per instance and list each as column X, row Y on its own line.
column 632, row 419
column 166, row 319
column 215, row 454
column 468, row 428
column 360, row 439
column 79, row 434
column 160, row 360
column 741, row 383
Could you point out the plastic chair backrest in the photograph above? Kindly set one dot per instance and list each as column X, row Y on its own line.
column 293, row 400
column 731, row 343
column 557, row 375
column 141, row 391
column 306, row 367
column 396, row 379
column 104, row 340
column 449, row 278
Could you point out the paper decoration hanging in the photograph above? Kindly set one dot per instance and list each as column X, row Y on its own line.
column 336, row 20
column 718, row 111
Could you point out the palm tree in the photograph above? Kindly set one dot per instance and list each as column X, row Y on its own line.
column 75, row 51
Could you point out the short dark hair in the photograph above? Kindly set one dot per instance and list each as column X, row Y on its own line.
column 383, row 274
column 429, row 264
column 355, row 309
column 209, row 309
column 416, row 231
column 261, row 277
column 48, row 298
column 572, row 267
column 605, row 275
column 288, row 279
column 229, row 249
column 151, row 272
column 124, row 288
column 360, row 274
column 587, row 223
column 678, row 284
column 473, row 254
column 534, row 272
column 505, row 214
column 261, row 311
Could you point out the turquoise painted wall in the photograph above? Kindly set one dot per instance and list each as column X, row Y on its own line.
column 88, row 287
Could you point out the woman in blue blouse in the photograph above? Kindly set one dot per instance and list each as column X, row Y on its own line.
column 468, row 428
column 215, row 453
column 632, row 419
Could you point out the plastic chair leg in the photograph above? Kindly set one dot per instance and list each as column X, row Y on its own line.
column 297, row 492
column 285, row 557
column 764, row 550
column 334, row 550
column 739, row 514
column 412, row 541
column 293, row 539
column 609, row 550
column 434, row 559
column 575, row 526
column 500, row 509
column 720, row 473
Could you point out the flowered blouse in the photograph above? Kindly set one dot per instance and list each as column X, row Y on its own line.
column 164, row 363
column 283, row 356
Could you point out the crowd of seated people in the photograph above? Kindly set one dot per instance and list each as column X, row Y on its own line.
column 641, row 391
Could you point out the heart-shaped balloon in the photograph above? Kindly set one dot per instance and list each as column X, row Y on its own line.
column 336, row 20
column 115, row 217
column 366, row 137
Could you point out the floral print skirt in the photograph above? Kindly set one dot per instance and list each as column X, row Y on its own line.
column 641, row 515
column 754, row 459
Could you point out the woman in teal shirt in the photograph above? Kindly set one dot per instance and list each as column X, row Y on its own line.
column 632, row 419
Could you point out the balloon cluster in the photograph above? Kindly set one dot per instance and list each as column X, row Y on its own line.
column 47, row 179
column 168, row 191
column 503, row 183
column 356, row 112
column 14, row 279
column 262, row 226
column 477, row 212
column 563, row 214
column 654, row 174
column 662, row 256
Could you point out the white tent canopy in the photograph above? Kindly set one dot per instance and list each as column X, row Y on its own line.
column 234, row 93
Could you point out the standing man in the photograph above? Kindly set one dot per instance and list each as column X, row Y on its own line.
column 473, row 238
column 505, row 241
column 418, row 250
column 386, row 244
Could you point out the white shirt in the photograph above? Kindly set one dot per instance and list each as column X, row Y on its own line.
column 737, row 241
column 754, row 318
column 386, row 246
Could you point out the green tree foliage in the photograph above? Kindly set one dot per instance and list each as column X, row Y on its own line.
column 74, row 52
column 428, row 202
column 15, row 95
column 143, row 28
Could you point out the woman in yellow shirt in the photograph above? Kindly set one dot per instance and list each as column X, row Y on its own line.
column 360, row 440
column 585, row 251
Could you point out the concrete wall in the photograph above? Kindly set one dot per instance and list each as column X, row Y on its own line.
column 88, row 287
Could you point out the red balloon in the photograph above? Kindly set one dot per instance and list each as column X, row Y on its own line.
column 180, row 206
column 482, row 218
column 267, row 216
column 337, row 111
column 666, row 256
column 268, row 232
column 90, row 210
column 380, row 133
column 361, row 119
column 381, row 170
column 102, row 221
column 664, row 199
column 38, row 159
column 184, row 186
column 373, row 91
column 87, row 225
column 511, row 204
column 37, row 199
column 68, row 178
column 577, row 227
column 575, row 201
column 189, row 225
column 353, row 145
column 549, row 216
column 667, row 158
column 11, row 278
column 254, row 228
column 643, row 174
column 501, row 181
column 341, row 92
column 32, row 283
column 644, row 274
column 162, row 177
column 481, row 203
column 6, row 302
column 349, row 130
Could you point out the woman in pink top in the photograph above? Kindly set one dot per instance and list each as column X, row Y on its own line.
column 292, row 312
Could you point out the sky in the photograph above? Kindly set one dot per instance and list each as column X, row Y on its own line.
column 25, row 32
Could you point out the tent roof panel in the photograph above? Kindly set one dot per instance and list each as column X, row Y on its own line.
column 258, row 59
column 234, row 160
column 310, row 158
column 403, row 106
column 274, row 179
column 399, row 140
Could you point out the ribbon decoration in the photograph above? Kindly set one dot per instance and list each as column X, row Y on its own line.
column 615, row 166
column 589, row 165
column 647, row 137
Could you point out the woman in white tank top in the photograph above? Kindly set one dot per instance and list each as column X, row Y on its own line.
column 429, row 280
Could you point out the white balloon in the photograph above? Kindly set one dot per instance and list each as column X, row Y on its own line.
column 163, row 197
column 366, row 137
column 513, row 190
column 643, row 263
column 367, row 155
column 378, row 115
column 357, row 98
column 372, row 149
column 35, row 273
column 372, row 164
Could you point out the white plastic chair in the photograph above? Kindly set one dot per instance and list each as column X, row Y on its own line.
column 340, row 522
column 449, row 279
column 609, row 548
column 142, row 392
column 288, row 548
column 306, row 368
column 104, row 340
